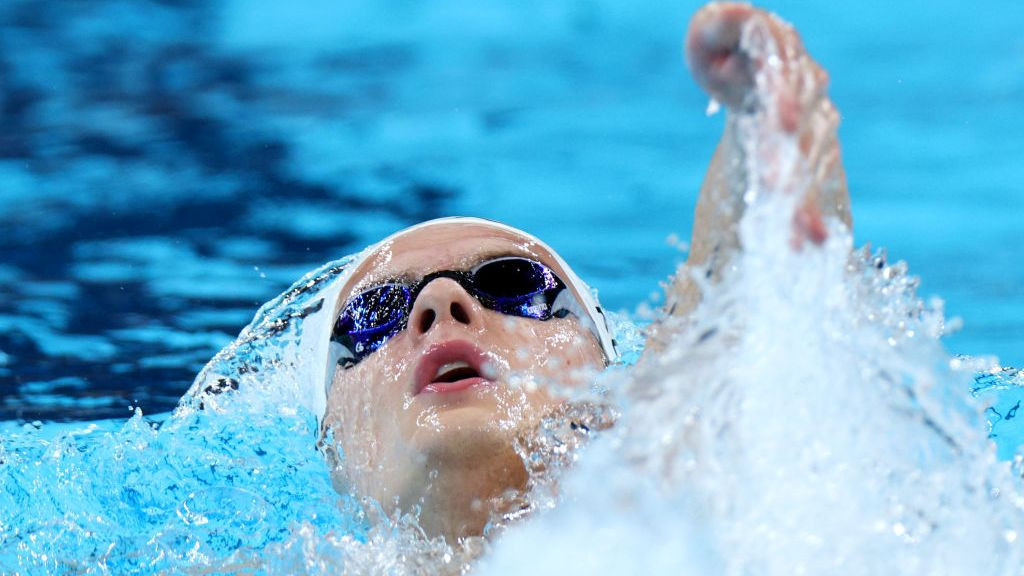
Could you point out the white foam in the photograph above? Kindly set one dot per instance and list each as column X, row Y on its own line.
column 804, row 420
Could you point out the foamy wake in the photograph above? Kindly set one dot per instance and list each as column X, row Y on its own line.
column 804, row 420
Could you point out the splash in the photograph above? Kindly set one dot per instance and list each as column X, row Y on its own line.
column 805, row 419
column 230, row 474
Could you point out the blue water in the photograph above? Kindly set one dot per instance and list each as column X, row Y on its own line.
column 166, row 167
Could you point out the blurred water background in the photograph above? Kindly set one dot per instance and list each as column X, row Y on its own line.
column 167, row 166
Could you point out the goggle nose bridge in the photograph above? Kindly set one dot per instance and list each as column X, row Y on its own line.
column 462, row 278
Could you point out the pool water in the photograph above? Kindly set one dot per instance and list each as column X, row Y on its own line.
column 167, row 167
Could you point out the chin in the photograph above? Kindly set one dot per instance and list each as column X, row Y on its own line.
column 467, row 432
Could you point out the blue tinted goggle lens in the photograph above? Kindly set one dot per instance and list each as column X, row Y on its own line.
column 512, row 285
column 372, row 317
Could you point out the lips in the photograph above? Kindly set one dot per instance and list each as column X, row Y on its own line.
column 451, row 367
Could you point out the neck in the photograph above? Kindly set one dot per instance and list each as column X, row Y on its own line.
column 464, row 492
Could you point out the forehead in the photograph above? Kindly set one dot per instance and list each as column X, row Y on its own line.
column 442, row 247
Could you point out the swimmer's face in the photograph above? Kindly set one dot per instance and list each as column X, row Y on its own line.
column 398, row 420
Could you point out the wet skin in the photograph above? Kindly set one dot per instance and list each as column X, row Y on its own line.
column 449, row 447
column 792, row 87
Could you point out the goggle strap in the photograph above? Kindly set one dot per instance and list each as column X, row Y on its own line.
column 337, row 352
column 566, row 300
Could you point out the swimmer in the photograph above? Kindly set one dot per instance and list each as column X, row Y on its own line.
column 452, row 337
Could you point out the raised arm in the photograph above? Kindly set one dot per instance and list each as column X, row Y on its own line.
column 728, row 50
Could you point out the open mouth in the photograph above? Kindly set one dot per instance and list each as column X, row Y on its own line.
column 451, row 367
column 455, row 371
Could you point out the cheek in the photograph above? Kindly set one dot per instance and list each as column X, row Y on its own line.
column 556, row 352
column 364, row 407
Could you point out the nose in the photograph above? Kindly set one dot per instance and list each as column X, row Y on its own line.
column 443, row 300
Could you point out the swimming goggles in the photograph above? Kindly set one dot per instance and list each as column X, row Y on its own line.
column 512, row 285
